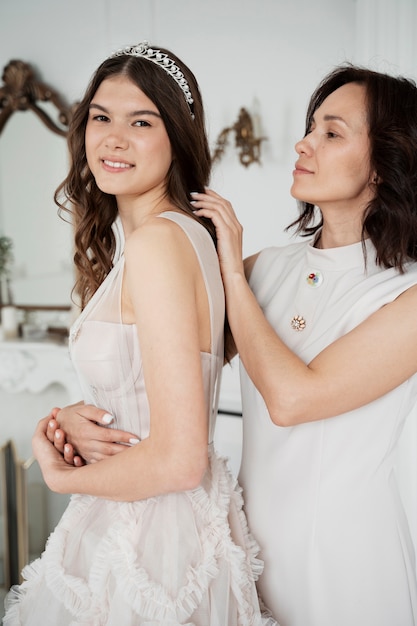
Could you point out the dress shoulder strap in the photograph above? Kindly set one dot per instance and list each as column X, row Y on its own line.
column 209, row 264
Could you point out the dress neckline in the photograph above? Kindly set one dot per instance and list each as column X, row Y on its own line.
column 342, row 257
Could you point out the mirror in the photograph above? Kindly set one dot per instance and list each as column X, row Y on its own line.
column 33, row 161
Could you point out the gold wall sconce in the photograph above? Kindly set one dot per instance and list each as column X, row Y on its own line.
column 246, row 142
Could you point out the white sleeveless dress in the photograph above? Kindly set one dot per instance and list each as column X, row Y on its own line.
column 321, row 497
column 184, row 558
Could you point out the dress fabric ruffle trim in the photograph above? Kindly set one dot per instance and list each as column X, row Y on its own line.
column 225, row 543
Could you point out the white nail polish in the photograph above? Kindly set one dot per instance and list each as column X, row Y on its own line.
column 133, row 441
column 107, row 418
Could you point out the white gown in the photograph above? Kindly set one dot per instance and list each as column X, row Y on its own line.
column 184, row 558
column 321, row 497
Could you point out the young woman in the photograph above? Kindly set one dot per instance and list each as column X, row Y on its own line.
column 326, row 331
column 155, row 535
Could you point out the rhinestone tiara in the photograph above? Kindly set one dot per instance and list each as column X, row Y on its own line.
column 159, row 58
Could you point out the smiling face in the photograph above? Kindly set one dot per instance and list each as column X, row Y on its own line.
column 127, row 146
column 333, row 166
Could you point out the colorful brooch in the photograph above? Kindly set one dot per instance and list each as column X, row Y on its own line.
column 314, row 279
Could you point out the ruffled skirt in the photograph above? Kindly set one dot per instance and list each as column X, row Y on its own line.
column 182, row 559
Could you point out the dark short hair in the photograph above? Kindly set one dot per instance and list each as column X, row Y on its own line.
column 390, row 219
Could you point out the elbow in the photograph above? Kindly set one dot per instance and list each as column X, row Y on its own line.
column 281, row 418
column 287, row 411
column 193, row 480
column 189, row 472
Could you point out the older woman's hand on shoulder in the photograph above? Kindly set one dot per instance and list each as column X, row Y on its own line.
column 229, row 231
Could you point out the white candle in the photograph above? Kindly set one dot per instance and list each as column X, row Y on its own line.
column 9, row 322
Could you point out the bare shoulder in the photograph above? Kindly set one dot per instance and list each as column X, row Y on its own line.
column 403, row 308
column 157, row 237
column 153, row 228
column 249, row 262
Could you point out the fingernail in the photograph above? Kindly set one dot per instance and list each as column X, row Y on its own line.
column 67, row 449
column 107, row 418
column 51, row 424
column 57, row 435
column 134, row 441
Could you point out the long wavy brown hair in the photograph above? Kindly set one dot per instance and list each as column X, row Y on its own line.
column 390, row 219
column 93, row 212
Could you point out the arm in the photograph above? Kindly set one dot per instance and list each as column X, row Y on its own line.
column 365, row 364
column 164, row 306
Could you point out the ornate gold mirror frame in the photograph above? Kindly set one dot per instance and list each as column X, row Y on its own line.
column 22, row 91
